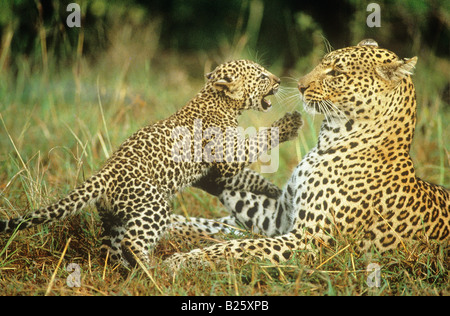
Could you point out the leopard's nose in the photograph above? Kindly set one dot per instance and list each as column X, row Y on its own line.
column 302, row 88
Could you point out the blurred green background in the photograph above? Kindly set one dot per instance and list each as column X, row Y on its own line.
column 283, row 29
column 69, row 96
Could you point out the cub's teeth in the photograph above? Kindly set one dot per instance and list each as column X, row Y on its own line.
column 266, row 104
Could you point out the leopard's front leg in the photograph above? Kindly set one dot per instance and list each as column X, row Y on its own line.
column 276, row 250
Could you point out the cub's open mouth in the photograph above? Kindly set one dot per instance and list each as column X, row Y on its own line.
column 266, row 104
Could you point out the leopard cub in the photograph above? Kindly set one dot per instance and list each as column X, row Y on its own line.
column 132, row 191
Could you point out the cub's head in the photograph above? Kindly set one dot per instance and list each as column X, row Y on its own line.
column 245, row 82
column 356, row 82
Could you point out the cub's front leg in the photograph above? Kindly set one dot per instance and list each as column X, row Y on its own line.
column 288, row 126
column 244, row 152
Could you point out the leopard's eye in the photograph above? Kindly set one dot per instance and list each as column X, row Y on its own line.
column 264, row 76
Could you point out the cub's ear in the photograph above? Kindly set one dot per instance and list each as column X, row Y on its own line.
column 397, row 70
column 224, row 84
column 232, row 88
column 221, row 84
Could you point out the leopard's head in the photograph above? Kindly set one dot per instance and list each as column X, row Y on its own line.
column 356, row 82
column 245, row 83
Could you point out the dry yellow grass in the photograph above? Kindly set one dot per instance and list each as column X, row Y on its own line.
column 56, row 129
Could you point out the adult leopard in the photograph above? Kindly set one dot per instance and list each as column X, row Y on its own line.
column 359, row 180
column 133, row 189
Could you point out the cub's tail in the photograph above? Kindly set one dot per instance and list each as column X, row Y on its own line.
column 87, row 193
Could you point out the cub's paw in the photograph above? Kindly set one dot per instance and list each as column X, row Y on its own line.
column 288, row 126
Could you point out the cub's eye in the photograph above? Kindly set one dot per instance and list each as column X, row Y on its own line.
column 209, row 75
column 264, row 76
column 334, row 72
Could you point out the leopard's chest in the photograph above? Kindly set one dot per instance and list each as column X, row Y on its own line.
column 322, row 182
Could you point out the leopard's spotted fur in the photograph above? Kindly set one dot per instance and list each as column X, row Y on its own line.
column 358, row 181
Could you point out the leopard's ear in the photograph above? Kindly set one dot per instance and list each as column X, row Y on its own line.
column 368, row 42
column 397, row 70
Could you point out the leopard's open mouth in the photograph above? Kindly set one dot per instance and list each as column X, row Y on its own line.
column 266, row 104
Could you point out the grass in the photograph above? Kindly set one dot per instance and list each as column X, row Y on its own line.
column 57, row 127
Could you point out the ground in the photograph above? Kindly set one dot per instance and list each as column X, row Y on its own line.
column 57, row 130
